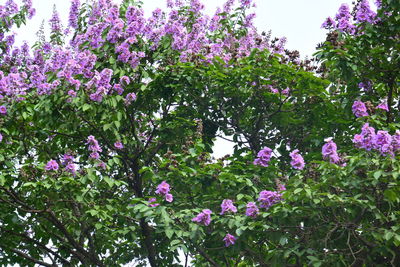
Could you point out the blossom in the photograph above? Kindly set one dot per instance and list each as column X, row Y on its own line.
column 382, row 142
column 130, row 98
column 227, row 205
column 74, row 14
column 229, row 240
column 359, row 109
column 263, row 157
column 1, row 137
column 269, row 198
column 328, row 23
column 329, row 151
column 151, row 202
column 51, row 165
column 204, row 217
column 163, row 188
column 383, row 105
column 366, row 139
column 118, row 145
column 3, row 110
column 297, row 161
column 169, row 197
column 281, row 187
column 364, row 12
column 251, row 209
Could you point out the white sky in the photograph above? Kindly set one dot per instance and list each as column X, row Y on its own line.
column 299, row 20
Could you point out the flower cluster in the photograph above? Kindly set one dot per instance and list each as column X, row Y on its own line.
column 68, row 162
column 94, row 147
column 297, row 161
column 204, row 217
column 251, row 209
column 329, row 151
column 269, row 198
column 364, row 12
column 227, row 205
column 359, row 109
column 163, row 189
column 381, row 140
column 263, row 157
column 52, row 165
column 229, row 240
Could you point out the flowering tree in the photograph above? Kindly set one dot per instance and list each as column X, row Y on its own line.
column 107, row 129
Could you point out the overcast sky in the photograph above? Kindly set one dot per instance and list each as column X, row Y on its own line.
column 298, row 20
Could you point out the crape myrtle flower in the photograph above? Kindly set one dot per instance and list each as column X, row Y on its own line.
column 383, row 142
column 328, row 23
column 227, row 205
column 204, row 217
column 3, row 110
column 263, row 157
column 366, row 138
column 359, row 109
column 52, row 165
column 269, row 198
column 1, row 137
column 383, row 105
column 364, row 12
column 251, row 209
column 163, row 188
column 151, row 202
column 281, row 187
column 329, row 151
column 229, row 240
column 74, row 14
column 118, row 145
column 297, row 161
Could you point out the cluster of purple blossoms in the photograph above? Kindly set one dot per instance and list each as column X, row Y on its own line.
column 229, row 240
column 364, row 12
column 269, row 198
column 52, row 165
column 366, row 86
column 381, row 141
column 329, row 151
column 359, row 109
column 251, row 209
column 227, row 205
column 204, row 217
column 130, row 97
column 328, row 23
column 68, row 162
column 263, row 157
column 163, row 189
column 55, row 24
column 343, row 18
column 94, row 147
column 74, row 14
column 297, row 161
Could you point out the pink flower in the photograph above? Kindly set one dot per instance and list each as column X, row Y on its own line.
column 229, row 240
column 118, row 145
column 383, row 105
column 227, row 205
column 151, row 202
column 203, row 217
column 169, row 197
column 163, row 188
column 51, row 165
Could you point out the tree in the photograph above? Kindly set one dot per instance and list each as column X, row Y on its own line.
column 106, row 140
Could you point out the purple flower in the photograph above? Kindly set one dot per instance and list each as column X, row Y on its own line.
column 359, row 109
column 1, row 137
column 383, row 141
column 328, row 23
column 3, row 110
column 366, row 139
column 396, row 141
column 229, row 240
column 383, row 105
column 366, row 86
column 364, row 12
column 118, row 145
column 281, row 187
column 169, row 197
column 102, row 165
column 329, row 151
column 269, row 198
column 55, row 22
column 227, row 205
column 51, row 165
column 203, row 217
column 297, row 160
column 286, row 91
column 263, row 157
column 252, row 209
column 74, row 14
column 151, row 202
column 70, row 168
column 130, row 98
column 95, row 155
column 163, row 188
